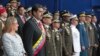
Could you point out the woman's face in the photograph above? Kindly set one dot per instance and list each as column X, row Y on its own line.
column 14, row 25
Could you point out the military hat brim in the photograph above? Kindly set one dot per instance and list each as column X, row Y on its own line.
column 88, row 16
column 56, row 21
column 66, row 14
column 14, row 1
column 82, row 15
column 47, row 16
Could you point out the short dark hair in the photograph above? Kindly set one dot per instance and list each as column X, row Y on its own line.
column 20, row 7
column 36, row 6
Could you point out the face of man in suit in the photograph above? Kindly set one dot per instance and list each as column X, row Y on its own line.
column 39, row 13
column 21, row 11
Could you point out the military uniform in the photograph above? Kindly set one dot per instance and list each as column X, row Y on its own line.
column 91, row 36
column 49, row 43
column 57, row 38
column 66, row 36
column 49, row 49
column 67, row 39
column 12, row 11
column 83, row 36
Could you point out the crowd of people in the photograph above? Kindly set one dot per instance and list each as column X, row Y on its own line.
column 37, row 32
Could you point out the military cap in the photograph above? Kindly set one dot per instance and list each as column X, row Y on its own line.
column 29, row 9
column 74, row 17
column 56, row 13
column 66, row 13
column 88, row 15
column 82, row 14
column 56, row 21
column 13, row 1
column 47, row 15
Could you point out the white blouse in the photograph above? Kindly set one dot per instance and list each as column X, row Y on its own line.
column 12, row 45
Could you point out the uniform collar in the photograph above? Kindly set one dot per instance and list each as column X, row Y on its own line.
column 73, row 26
column 46, row 26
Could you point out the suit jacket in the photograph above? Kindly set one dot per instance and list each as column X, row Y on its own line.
column 31, row 34
column 83, row 35
column 21, row 24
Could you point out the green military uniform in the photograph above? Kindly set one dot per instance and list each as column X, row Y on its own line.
column 67, row 36
column 57, row 40
column 13, row 11
column 49, row 43
column 91, row 36
column 49, row 49
column 67, row 39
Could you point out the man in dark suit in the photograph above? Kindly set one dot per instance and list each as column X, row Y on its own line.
column 21, row 19
column 34, row 33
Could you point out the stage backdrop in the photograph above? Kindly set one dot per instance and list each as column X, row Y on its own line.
column 74, row 6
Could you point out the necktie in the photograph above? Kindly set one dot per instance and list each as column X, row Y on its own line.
column 23, row 19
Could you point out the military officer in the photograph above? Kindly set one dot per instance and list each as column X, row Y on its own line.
column 96, row 35
column 66, row 34
column 47, row 20
column 56, row 15
column 90, row 32
column 75, row 35
column 13, row 7
column 83, row 35
column 57, row 38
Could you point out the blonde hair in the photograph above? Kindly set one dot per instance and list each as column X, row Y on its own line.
column 10, row 20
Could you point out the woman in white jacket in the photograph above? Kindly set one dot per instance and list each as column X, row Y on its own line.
column 12, row 42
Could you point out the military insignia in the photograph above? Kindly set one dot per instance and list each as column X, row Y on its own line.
column 84, row 29
column 90, row 28
column 68, row 32
column 66, row 24
column 48, row 35
column 57, row 36
column 62, row 24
